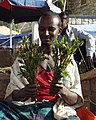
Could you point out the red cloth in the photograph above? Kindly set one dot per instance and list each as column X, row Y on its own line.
column 43, row 80
column 85, row 114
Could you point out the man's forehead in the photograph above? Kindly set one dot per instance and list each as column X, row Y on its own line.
column 49, row 20
column 55, row 19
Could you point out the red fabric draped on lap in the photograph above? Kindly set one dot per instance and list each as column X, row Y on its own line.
column 85, row 114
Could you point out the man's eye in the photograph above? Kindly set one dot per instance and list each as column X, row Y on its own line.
column 40, row 28
column 51, row 29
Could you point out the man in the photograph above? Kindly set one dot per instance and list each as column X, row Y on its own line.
column 67, row 90
column 87, row 50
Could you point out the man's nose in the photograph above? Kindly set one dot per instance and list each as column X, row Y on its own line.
column 47, row 32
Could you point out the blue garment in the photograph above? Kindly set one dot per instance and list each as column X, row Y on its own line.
column 41, row 111
column 72, row 118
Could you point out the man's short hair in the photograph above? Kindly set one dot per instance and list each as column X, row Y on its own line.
column 50, row 13
column 63, row 15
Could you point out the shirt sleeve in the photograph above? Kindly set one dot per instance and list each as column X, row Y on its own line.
column 17, row 82
column 90, row 41
column 73, row 80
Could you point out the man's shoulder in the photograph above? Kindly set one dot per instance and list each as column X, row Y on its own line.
column 70, row 28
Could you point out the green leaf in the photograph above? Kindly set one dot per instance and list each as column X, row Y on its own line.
column 62, row 52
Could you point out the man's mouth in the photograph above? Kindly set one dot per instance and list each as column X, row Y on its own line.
column 46, row 39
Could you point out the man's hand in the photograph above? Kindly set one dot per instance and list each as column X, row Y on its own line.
column 30, row 90
column 56, row 87
column 89, row 62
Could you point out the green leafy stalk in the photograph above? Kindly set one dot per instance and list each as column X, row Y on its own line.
column 29, row 59
column 61, row 1
column 62, row 52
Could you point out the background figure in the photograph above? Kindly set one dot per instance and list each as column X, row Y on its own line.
column 88, row 48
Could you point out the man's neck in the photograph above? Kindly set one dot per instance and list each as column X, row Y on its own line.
column 47, row 49
column 64, row 31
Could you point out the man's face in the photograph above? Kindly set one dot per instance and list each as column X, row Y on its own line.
column 64, row 23
column 48, row 29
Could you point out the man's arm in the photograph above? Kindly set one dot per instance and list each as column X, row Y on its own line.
column 69, row 88
column 90, row 45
